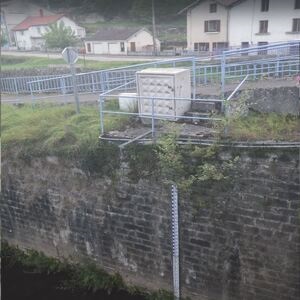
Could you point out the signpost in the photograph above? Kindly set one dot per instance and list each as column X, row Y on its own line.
column 70, row 55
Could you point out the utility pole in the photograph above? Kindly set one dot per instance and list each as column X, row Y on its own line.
column 154, row 28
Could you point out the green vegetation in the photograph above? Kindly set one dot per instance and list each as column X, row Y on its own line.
column 76, row 276
column 53, row 130
column 256, row 127
column 17, row 63
column 59, row 36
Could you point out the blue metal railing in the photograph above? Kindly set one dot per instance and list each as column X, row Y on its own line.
column 274, row 60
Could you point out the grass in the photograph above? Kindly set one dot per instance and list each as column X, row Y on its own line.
column 17, row 63
column 53, row 130
column 272, row 126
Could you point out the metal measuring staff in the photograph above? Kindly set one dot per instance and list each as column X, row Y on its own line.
column 70, row 55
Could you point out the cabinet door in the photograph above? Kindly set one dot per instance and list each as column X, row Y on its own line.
column 152, row 86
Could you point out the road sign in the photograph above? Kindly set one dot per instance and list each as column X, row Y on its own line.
column 70, row 55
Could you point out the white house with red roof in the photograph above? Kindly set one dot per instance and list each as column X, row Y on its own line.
column 29, row 33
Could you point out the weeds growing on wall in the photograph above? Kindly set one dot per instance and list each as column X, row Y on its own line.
column 190, row 164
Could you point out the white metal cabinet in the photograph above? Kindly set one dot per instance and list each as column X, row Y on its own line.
column 166, row 83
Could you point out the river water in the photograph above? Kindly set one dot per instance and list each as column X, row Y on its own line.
column 18, row 284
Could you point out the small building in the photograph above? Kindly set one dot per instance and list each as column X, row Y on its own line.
column 120, row 41
column 29, row 33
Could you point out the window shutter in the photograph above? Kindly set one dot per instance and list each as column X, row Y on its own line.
column 206, row 26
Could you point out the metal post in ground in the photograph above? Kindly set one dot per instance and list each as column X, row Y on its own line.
column 194, row 78
column 152, row 118
column 101, row 99
column 72, row 67
column 223, row 70
column 175, row 242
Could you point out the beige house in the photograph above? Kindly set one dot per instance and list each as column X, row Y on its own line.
column 207, row 24
column 120, row 41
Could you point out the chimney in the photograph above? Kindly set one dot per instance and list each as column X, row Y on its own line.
column 41, row 12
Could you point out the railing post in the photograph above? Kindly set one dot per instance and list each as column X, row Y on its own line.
column 32, row 97
column 194, row 78
column 101, row 100
column 93, row 83
column 63, row 88
column 223, row 73
column 152, row 118
column 16, row 86
column 277, row 65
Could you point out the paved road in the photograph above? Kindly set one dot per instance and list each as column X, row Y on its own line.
column 88, row 57
column 47, row 98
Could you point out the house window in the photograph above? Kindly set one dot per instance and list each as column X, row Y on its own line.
column 263, row 26
column 296, row 25
column 201, row 46
column 212, row 26
column 264, row 5
column 297, row 4
column 220, row 46
column 88, row 45
column 39, row 30
column 22, row 32
column 262, row 51
column 122, row 45
column 213, row 7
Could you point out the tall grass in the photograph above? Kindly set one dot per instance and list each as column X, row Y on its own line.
column 265, row 127
column 53, row 130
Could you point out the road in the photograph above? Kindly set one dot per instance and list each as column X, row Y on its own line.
column 88, row 57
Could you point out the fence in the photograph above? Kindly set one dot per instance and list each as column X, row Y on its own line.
column 274, row 60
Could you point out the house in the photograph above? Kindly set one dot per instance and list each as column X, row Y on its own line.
column 120, row 41
column 29, row 33
column 14, row 12
column 265, row 21
column 219, row 24
column 207, row 24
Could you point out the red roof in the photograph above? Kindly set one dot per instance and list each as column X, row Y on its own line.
column 37, row 21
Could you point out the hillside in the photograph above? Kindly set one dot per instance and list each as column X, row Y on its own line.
column 94, row 14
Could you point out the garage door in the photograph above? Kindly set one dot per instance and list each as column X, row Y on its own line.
column 100, row 48
column 114, row 48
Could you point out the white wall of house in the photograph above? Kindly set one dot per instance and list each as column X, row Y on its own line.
column 79, row 31
column 195, row 24
column 32, row 38
column 245, row 17
column 105, row 47
column 142, row 41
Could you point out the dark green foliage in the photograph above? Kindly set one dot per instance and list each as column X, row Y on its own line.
column 137, row 9
column 142, row 161
column 103, row 159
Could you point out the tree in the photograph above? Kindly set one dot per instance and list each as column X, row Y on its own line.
column 59, row 36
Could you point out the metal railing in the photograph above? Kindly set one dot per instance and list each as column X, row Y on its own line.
column 274, row 60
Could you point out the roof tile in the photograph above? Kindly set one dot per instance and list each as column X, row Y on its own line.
column 37, row 21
